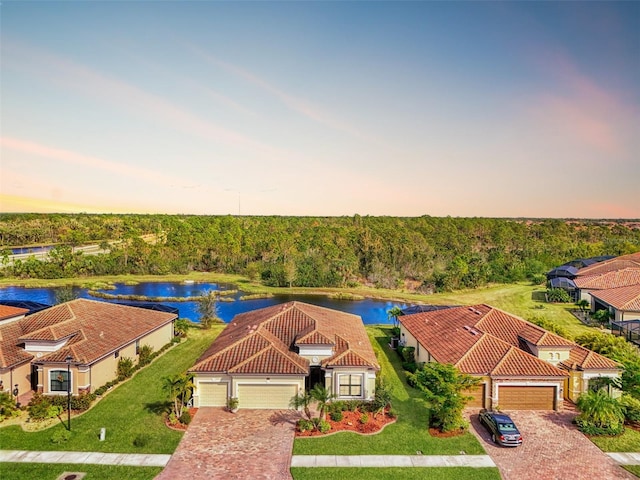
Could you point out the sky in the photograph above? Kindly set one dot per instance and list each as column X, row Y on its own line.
column 467, row 109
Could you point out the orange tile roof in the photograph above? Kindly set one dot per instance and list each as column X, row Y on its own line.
column 93, row 329
column 622, row 298
column 618, row 263
column 484, row 340
column 261, row 341
column 7, row 312
column 614, row 279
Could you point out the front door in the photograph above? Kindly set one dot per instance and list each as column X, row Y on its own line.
column 34, row 378
column 316, row 375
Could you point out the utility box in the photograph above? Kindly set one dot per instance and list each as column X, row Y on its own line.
column 103, row 432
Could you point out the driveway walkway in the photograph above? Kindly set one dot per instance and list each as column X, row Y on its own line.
column 254, row 444
column 552, row 449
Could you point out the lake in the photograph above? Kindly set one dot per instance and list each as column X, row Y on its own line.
column 371, row 311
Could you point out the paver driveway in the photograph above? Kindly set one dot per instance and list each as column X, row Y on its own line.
column 253, row 444
column 552, row 449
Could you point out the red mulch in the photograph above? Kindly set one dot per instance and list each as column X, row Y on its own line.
column 351, row 423
column 179, row 426
column 434, row 432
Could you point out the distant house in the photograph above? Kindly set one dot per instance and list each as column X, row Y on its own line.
column 93, row 335
column 589, row 284
column 267, row 356
column 623, row 302
column 521, row 366
column 617, row 263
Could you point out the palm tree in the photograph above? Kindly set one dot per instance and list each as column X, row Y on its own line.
column 600, row 410
column 323, row 396
column 302, row 400
column 583, row 305
column 179, row 388
column 394, row 313
column 181, row 327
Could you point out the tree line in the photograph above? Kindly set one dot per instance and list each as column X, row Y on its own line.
column 425, row 253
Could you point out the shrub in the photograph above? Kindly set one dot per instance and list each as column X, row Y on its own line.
column 304, row 425
column 364, row 418
column 392, row 413
column 101, row 390
column 352, row 405
column 600, row 414
column 324, row 426
column 173, row 419
column 38, row 407
column 145, row 355
column 185, row 418
column 60, row 436
column 336, row 415
column 141, row 440
column 8, row 406
column 558, row 295
column 631, row 407
column 410, row 366
column 125, row 368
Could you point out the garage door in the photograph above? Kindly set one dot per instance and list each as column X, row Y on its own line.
column 212, row 394
column 266, row 396
column 478, row 396
column 526, row 398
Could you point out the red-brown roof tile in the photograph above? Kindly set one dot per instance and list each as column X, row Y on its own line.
column 7, row 312
column 614, row 279
column 619, row 263
column 261, row 341
column 623, row 298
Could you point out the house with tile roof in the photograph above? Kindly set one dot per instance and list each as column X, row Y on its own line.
column 631, row 260
column 521, row 365
column 265, row 357
column 625, row 277
column 623, row 303
column 92, row 335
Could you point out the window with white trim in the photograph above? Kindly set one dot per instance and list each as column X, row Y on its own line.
column 59, row 381
column 350, row 385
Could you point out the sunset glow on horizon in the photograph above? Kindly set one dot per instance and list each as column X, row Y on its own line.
column 470, row 109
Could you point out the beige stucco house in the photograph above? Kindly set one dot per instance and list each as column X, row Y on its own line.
column 84, row 337
column 521, row 366
column 267, row 356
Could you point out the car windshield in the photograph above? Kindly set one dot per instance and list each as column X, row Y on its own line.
column 507, row 427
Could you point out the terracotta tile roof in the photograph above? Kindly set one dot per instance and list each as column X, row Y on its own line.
column 7, row 312
column 94, row 328
column 484, row 340
column 622, row 298
column 262, row 341
column 11, row 351
column 615, row 279
column 619, row 263
column 584, row 359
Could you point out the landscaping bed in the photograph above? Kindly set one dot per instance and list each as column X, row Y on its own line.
column 352, row 422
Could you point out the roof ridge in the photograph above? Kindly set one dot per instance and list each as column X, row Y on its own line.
column 473, row 347
column 503, row 359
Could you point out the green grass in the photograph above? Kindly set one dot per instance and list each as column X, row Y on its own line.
column 407, row 436
column 415, row 473
column 635, row 469
column 133, row 408
column 51, row 471
column 629, row 441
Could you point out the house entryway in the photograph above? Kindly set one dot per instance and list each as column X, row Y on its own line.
column 254, row 444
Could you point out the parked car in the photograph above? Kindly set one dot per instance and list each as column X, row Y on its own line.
column 502, row 429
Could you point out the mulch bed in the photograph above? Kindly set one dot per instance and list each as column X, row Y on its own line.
column 179, row 426
column 351, row 423
column 434, row 432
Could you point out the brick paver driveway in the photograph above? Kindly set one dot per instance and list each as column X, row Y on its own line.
column 552, row 449
column 253, row 444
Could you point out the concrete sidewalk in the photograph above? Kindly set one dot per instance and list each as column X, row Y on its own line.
column 629, row 458
column 477, row 461
column 98, row 458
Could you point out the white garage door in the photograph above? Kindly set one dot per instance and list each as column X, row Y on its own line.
column 266, row 396
column 212, row 394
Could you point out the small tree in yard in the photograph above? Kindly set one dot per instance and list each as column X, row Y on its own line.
column 179, row 387
column 323, row 396
column 443, row 385
column 208, row 308
column 583, row 305
column 602, row 316
column 303, row 400
column 600, row 414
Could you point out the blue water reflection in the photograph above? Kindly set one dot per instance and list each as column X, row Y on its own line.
column 371, row 311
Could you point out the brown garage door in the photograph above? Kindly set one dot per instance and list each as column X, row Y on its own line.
column 478, row 396
column 526, row 398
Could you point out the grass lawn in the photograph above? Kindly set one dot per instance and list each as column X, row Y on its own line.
column 407, row 436
column 629, row 441
column 432, row 473
column 132, row 408
column 635, row 469
column 51, row 471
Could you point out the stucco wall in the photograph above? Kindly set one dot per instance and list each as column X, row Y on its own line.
column 158, row 338
column 421, row 354
column 21, row 375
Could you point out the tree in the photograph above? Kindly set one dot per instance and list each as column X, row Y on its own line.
column 303, row 400
column 443, row 385
column 602, row 316
column 600, row 414
column 323, row 396
column 179, row 388
column 208, row 307
column 65, row 294
column 394, row 313
column 583, row 305
column 182, row 326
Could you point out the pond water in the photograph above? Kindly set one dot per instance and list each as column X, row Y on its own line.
column 371, row 311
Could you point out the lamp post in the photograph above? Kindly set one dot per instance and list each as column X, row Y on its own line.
column 68, row 360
